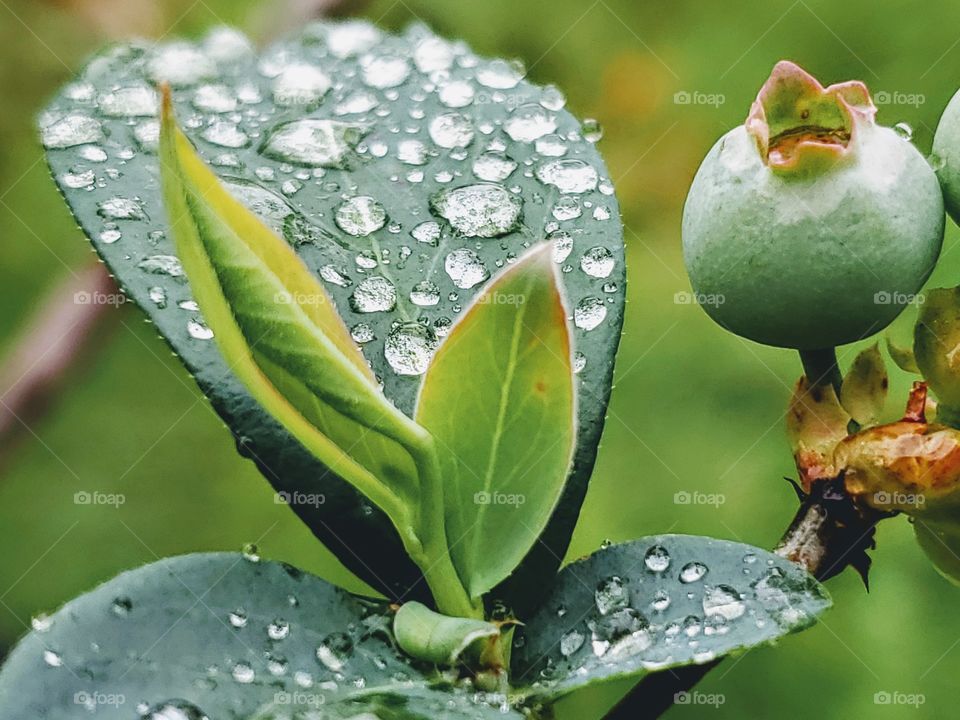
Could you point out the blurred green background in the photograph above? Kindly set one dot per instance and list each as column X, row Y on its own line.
column 694, row 408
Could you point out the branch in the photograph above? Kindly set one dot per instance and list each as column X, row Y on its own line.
column 828, row 533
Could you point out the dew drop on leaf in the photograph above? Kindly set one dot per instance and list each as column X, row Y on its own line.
column 465, row 268
column 611, row 594
column 692, row 572
column 374, row 294
column 484, row 210
column 589, row 313
column 657, row 558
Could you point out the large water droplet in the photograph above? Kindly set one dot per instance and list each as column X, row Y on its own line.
column 589, row 313
column 597, row 262
column 334, row 651
column 181, row 64
column 426, row 232
column 465, row 268
column 451, row 130
column 71, row 130
column 311, row 142
column 529, row 122
column 623, row 632
column 238, row 618
column 500, row 74
column 162, row 265
column 374, row 294
column 278, row 629
column 569, row 176
column 657, row 558
column 611, row 594
column 300, row 84
column 692, row 572
column 724, row 601
column 494, row 166
column 225, row 134
column 484, row 210
column 243, row 673
column 571, row 641
column 384, row 71
column 425, row 294
column 361, row 215
column 121, row 208
column 409, row 348
column 133, row 101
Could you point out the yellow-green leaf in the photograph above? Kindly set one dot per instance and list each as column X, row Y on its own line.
column 280, row 332
column 864, row 389
column 902, row 356
column 499, row 398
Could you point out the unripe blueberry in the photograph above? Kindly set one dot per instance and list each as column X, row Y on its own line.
column 813, row 224
column 946, row 152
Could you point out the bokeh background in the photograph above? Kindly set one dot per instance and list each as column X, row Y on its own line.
column 694, row 409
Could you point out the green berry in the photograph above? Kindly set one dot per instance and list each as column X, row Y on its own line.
column 811, row 226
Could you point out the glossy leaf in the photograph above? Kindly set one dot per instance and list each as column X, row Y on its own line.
column 865, row 386
column 816, row 422
column 657, row 603
column 499, row 398
column 936, row 339
column 902, row 356
column 302, row 134
column 222, row 636
column 439, row 639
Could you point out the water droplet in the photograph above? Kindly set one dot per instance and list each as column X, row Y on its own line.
column 597, row 262
column 484, row 210
column 41, row 622
column 333, row 276
column 562, row 245
column 589, row 313
column 158, row 296
column 251, row 553
column 409, row 348
column 425, row 294
column 198, row 330
column 692, row 572
column 225, row 134
column 551, row 97
column 361, row 215
column 571, row 641
column 567, row 208
column 411, row 152
column 334, row 651
column 121, row 208
column 579, row 362
column 451, row 130
column 311, row 142
column 384, row 71
column 661, row 601
column 611, row 594
column 456, row 94
column 276, row 664
column 181, row 64
column 427, row 232
column 214, row 99
column 723, row 601
column 936, row 162
column 357, row 103
column 225, row 44
column 494, row 166
column 351, row 37
column 79, row 179
column 238, row 618
column 71, row 130
column 903, row 130
column 500, row 74
column 374, row 294
column 96, row 154
column 569, row 176
column 162, row 265
column 243, row 673
column 121, row 606
column 591, row 130
column 300, row 84
column 278, row 629
column 551, row 146
column 133, row 101
column 465, row 268
column 433, row 54
column 657, row 558
column 622, row 633
column 147, row 134
column 52, row 658
column 362, row 333
column 528, row 123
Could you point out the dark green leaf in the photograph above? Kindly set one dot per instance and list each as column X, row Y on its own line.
column 224, row 637
column 657, row 603
column 305, row 153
